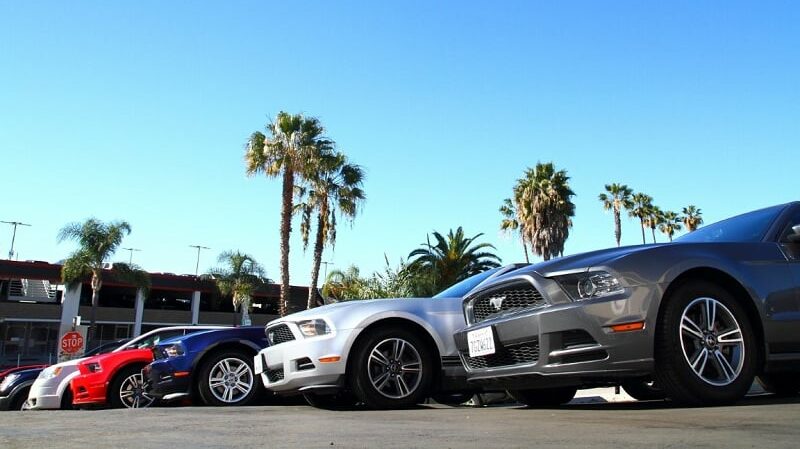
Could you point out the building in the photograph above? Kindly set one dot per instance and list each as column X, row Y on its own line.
column 36, row 309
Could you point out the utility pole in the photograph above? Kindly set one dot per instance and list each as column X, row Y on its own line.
column 13, row 235
column 325, row 276
column 130, row 258
column 197, row 266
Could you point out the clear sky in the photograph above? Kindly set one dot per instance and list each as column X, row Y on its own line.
column 140, row 111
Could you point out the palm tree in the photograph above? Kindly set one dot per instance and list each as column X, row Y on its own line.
column 619, row 198
column 543, row 203
column 290, row 151
column 97, row 242
column 334, row 187
column 692, row 217
column 510, row 223
column 642, row 203
column 240, row 276
column 451, row 259
column 654, row 218
column 670, row 224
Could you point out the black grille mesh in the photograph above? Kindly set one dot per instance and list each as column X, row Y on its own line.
column 275, row 375
column 507, row 299
column 279, row 334
column 518, row 354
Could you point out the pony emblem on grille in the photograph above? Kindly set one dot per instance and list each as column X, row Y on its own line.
column 497, row 302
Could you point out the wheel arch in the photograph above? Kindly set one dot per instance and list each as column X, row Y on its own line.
column 408, row 324
column 734, row 287
column 233, row 344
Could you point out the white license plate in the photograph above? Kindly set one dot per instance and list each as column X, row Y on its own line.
column 481, row 342
column 258, row 366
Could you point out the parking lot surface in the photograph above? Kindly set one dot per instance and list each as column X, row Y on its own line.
column 755, row 422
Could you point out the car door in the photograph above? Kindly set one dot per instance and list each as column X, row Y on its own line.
column 789, row 242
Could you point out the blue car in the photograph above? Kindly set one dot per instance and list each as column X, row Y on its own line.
column 213, row 367
column 14, row 388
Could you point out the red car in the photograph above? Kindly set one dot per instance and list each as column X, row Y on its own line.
column 113, row 379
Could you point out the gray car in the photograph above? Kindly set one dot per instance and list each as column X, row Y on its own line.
column 701, row 316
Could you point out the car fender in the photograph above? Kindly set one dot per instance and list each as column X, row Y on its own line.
column 200, row 355
column 127, row 363
column 21, row 386
column 402, row 314
column 62, row 387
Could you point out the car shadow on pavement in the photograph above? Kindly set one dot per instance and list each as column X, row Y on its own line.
column 758, row 400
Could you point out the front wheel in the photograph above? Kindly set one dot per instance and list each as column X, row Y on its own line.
column 129, row 389
column 392, row 368
column 706, row 351
column 227, row 379
column 544, row 397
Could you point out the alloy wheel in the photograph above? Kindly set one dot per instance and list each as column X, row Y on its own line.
column 230, row 380
column 395, row 368
column 712, row 341
column 133, row 392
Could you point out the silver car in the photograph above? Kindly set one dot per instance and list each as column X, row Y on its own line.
column 386, row 353
column 701, row 317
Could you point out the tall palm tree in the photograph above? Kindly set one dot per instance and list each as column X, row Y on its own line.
column 618, row 198
column 451, row 259
column 543, row 202
column 654, row 219
column 240, row 276
column 692, row 217
column 671, row 223
column 642, row 203
column 97, row 242
column 335, row 186
column 511, row 223
column 289, row 151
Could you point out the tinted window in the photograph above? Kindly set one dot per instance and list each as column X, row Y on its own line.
column 460, row 289
column 749, row 227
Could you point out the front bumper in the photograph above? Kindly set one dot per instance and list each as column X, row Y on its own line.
column 565, row 344
column 167, row 380
column 89, row 389
column 46, row 394
column 294, row 366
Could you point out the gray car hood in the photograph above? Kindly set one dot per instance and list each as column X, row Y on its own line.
column 590, row 259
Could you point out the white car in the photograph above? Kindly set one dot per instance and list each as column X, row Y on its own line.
column 51, row 389
column 385, row 353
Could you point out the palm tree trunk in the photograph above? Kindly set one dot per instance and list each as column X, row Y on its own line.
column 653, row 228
column 642, row 222
column 525, row 247
column 96, row 285
column 318, row 247
column 286, row 229
column 617, row 226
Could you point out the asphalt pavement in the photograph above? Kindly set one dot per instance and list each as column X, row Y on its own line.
column 762, row 422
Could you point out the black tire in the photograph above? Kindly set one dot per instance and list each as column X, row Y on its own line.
column 643, row 389
column 544, row 397
column 452, row 399
column 698, row 364
column 400, row 373
column 128, row 389
column 781, row 384
column 66, row 399
column 342, row 400
column 226, row 378
column 20, row 398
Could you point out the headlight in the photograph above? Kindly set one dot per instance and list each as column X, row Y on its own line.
column 94, row 367
column 313, row 328
column 8, row 381
column 174, row 350
column 592, row 284
column 50, row 372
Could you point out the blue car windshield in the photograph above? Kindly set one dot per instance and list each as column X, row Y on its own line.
column 749, row 227
column 459, row 289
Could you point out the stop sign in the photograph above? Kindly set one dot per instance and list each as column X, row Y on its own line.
column 71, row 342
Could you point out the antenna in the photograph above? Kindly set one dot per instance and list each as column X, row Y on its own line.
column 197, row 266
column 13, row 235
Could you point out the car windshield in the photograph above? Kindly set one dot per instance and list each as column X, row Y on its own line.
column 460, row 289
column 749, row 227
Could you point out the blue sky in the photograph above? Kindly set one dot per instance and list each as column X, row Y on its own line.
column 140, row 110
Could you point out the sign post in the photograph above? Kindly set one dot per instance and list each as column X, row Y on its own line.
column 72, row 344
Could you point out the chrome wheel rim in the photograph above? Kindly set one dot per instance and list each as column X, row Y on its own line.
column 230, row 380
column 133, row 392
column 395, row 368
column 712, row 342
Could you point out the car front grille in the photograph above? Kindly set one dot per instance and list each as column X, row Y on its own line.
column 279, row 334
column 274, row 375
column 507, row 299
column 517, row 354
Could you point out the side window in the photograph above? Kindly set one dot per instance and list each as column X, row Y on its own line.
column 790, row 237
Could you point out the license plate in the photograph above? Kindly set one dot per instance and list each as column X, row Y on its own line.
column 481, row 342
